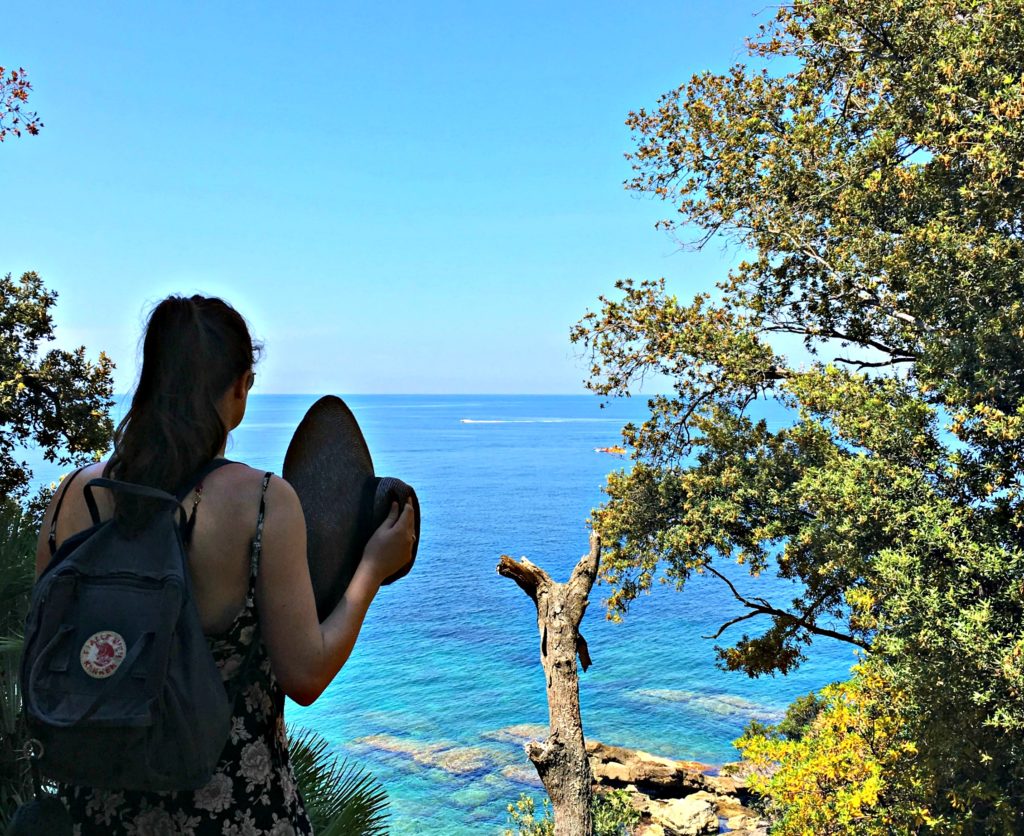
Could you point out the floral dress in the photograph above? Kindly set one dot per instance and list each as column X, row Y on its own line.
column 252, row 792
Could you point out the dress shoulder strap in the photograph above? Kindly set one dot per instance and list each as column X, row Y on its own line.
column 250, row 599
column 257, row 541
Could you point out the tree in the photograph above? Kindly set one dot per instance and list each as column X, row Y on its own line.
column 872, row 166
column 59, row 401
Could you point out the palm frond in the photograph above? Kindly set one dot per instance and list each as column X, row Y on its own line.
column 17, row 564
column 17, row 571
column 11, row 645
column 342, row 799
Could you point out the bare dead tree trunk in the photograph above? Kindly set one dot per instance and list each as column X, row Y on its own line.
column 561, row 760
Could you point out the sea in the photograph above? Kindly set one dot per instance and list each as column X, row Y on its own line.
column 445, row 683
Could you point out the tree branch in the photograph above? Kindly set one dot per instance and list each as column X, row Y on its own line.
column 581, row 581
column 33, row 382
column 863, row 364
column 729, row 624
column 527, row 575
column 759, row 606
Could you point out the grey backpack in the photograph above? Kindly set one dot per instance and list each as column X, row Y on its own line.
column 119, row 686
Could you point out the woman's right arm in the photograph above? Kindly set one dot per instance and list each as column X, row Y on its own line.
column 305, row 654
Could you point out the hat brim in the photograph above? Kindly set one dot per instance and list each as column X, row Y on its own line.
column 329, row 466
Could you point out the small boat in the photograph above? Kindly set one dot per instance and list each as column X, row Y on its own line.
column 615, row 450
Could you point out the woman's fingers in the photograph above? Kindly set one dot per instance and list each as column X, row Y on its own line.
column 408, row 520
column 404, row 517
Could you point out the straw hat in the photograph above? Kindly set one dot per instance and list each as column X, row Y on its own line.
column 329, row 465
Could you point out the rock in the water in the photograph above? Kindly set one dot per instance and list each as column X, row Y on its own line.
column 690, row 816
column 519, row 733
column 523, row 774
column 451, row 757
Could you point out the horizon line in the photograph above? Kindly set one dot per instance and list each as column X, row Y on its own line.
column 445, row 394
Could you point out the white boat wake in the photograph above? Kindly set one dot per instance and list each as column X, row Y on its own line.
column 536, row 420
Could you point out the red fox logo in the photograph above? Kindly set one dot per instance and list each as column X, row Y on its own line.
column 102, row 653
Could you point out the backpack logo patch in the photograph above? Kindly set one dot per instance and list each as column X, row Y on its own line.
column 102, row 653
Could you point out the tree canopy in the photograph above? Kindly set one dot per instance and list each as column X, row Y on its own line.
column 58, row 400
column 868, row 160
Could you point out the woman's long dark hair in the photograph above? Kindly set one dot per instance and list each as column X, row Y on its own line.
column 195, row 348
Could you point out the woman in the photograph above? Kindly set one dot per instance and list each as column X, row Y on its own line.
column 197, row 369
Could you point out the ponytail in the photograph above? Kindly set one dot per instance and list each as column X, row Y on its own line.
column 194, row 349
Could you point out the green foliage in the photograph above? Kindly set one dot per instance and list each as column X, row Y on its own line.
column 17, row 569
column 611, row 811
column 799, row 716
column 872, row 169
column 614, row 814
column 853, row 770
column 523, row 817
column 341, row 799
column 58, row 400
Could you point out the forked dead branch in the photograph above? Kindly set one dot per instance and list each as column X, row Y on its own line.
column 561, row 760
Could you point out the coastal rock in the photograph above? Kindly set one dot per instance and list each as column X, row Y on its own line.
column 726, row 784
column 690, row 816
column 736, row 814
column 655, row 783
column 738, row 772
column 660, row 777
column 693, row 815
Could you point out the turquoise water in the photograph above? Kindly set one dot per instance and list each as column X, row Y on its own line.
column 445, row 682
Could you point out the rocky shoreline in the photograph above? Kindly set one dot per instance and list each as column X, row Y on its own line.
column 676, row 798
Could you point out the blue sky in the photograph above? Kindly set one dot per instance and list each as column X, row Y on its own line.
column 404, row 198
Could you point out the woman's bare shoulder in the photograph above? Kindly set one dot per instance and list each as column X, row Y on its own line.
column 241, row 485
column 239, row 475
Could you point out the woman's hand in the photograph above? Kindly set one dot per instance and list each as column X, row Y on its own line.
column 390, row 547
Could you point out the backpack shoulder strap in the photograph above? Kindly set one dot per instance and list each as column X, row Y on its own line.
column 197, row 477
column 195, row 483
column 52, row 539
